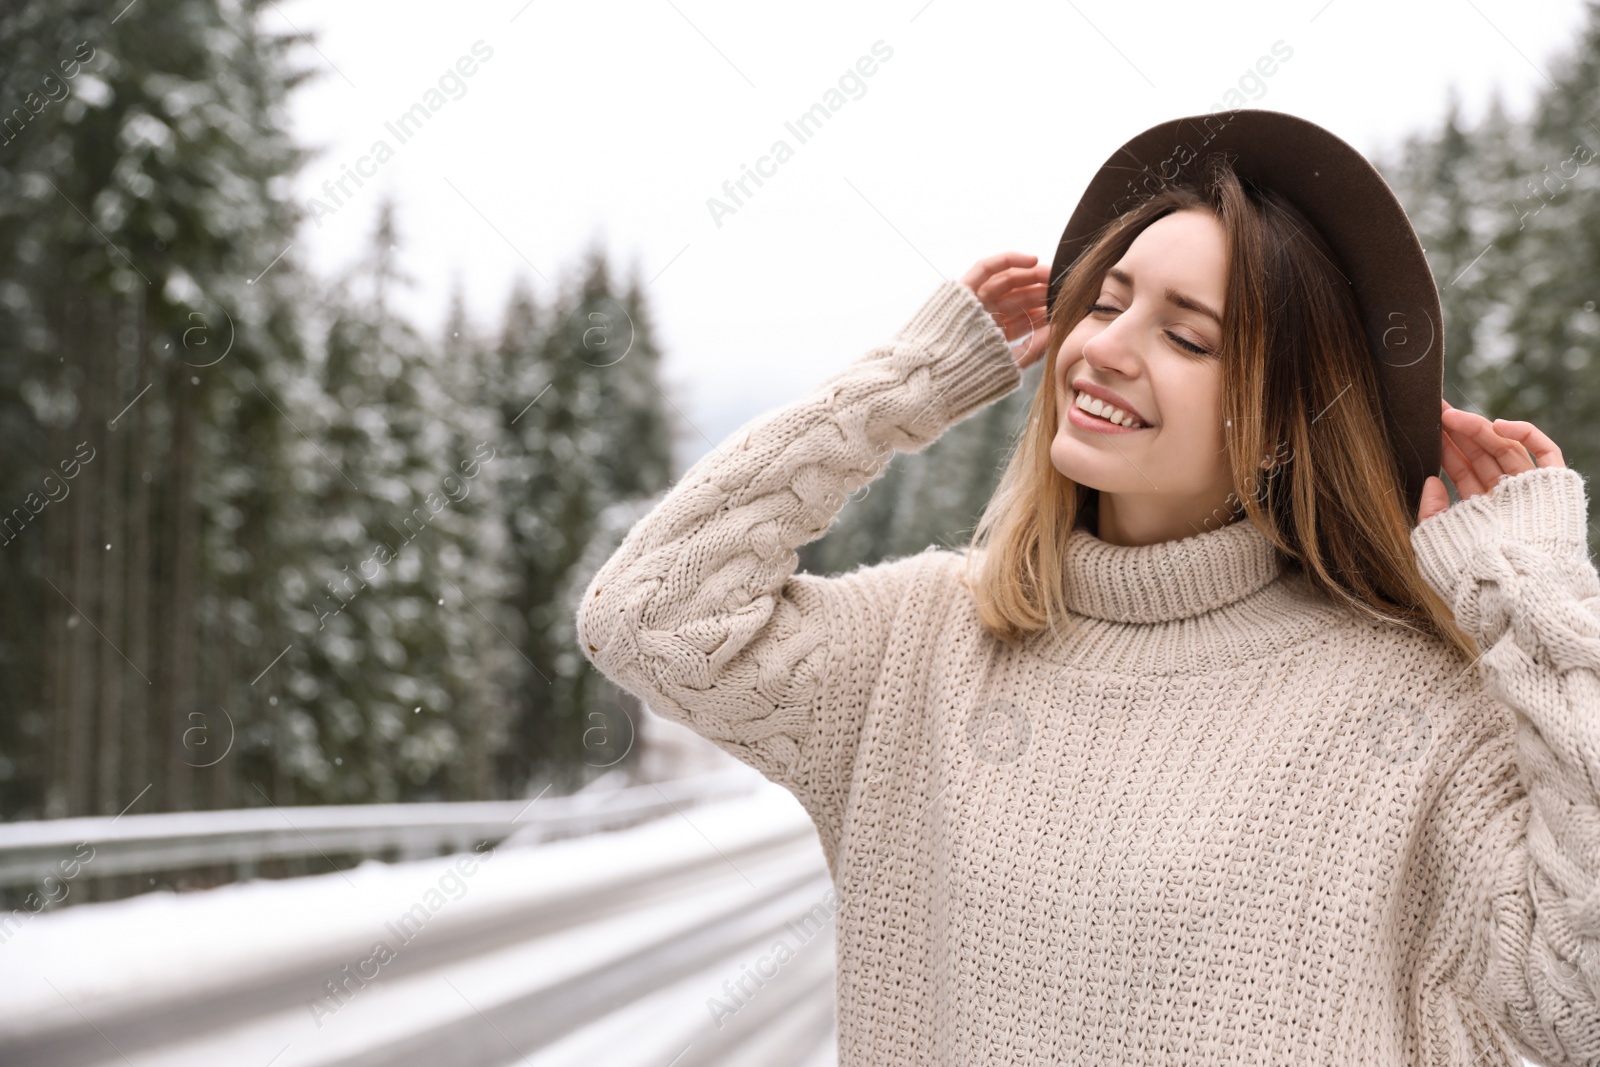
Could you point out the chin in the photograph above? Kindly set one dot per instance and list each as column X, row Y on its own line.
column 1066, row 456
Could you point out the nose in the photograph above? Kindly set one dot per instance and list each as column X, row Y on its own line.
column 1112, row 348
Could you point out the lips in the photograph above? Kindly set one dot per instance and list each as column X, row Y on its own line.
column 1104, row 403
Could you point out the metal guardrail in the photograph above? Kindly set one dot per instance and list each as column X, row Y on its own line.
column 134, row 844
column 643, row 923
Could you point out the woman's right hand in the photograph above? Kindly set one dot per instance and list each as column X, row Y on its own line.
column 1013, row 288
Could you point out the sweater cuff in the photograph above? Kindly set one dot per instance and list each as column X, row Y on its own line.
column 1545, row 508
column 973, row 363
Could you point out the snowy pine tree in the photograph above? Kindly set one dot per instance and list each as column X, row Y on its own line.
column 146, row 319
column 588, row 436
column 381, row 694
column 1509, row 211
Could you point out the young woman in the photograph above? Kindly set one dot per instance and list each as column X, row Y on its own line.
column 1221, row 743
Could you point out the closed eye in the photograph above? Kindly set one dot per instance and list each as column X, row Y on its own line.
column 1188, row 346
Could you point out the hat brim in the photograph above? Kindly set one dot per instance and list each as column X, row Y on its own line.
column 1355, row 211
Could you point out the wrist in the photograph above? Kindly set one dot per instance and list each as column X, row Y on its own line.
column 1544, row 508
column 972, row 364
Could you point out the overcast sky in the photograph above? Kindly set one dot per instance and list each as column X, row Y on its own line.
column 976, row 131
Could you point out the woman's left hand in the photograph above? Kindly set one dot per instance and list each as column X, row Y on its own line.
column 1477, row 453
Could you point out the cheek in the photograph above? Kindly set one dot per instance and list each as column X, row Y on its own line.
column 1192, row 404
column 1070, row 353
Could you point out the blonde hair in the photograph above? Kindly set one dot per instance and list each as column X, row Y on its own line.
column 1296, row 370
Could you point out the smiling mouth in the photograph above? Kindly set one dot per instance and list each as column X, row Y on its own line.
column 1099, row 409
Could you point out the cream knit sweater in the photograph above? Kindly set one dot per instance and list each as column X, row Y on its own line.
column 1223, row 821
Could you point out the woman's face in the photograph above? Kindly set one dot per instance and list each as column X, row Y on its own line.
column 1150, row 346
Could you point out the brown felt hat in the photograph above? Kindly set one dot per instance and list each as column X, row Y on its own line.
column 1355, row 211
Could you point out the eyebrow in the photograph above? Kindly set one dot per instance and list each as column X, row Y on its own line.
column 1174, row 297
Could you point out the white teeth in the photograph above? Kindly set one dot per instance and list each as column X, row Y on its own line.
column 1111, row 414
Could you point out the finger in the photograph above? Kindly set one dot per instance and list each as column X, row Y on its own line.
column 1012, row 296
column 1434, row 498
column 1016, row 273
column 1530, row 437
column 1479, row 437
column 1023, row 318
column 1545, row 452
column 1023, row 321
column 1033, row 349
column 1022, row 327
column 1508, row 451
column 1014, row 288
column 1456, row 466
column 988, row 266
column 1012, row 326
column 1491, row 455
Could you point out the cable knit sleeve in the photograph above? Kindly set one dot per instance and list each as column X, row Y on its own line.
column 700, row 613
column 1518, row 824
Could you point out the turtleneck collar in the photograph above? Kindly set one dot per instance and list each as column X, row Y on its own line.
column 1168, row 580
